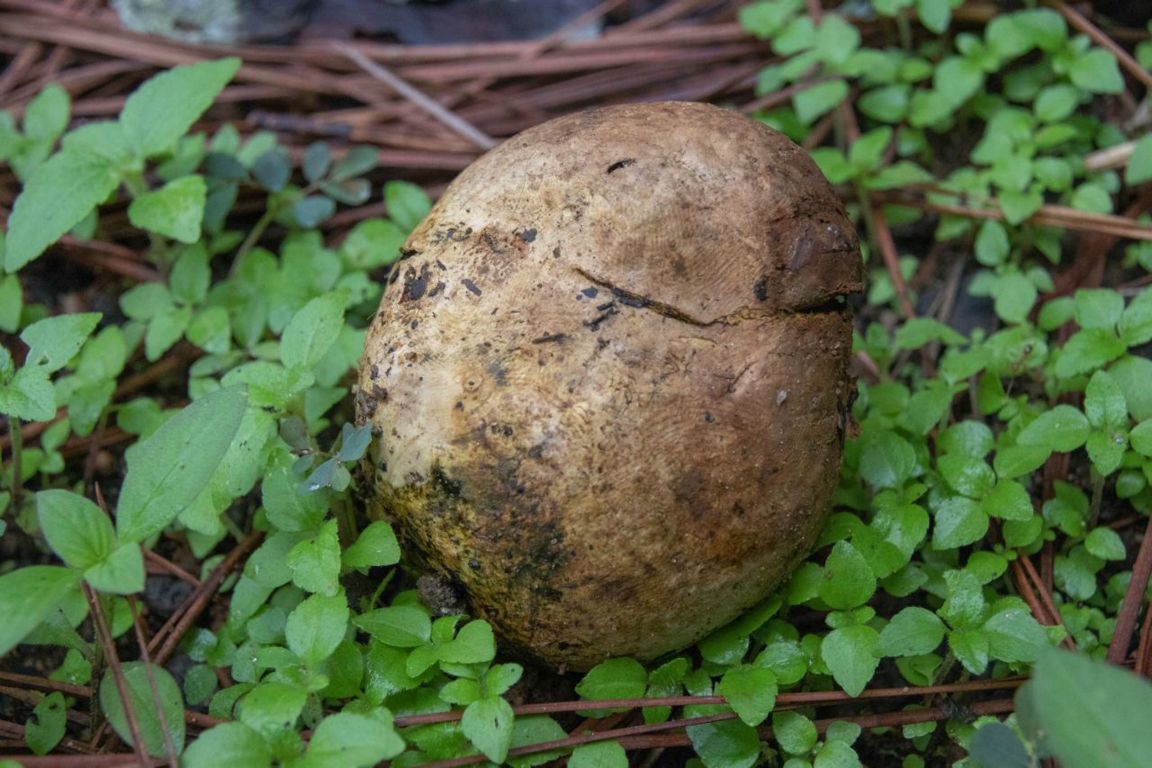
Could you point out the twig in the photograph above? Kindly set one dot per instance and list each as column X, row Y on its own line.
column 1133, row 599
column 434, row 108
column 178, row 624
column 142, row 642
column 109, row 646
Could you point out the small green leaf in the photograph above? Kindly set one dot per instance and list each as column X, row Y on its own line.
column 1106, row 544
column 911, row 632
column 614, row 679
column 725, row 744
column 407, row 203
column 121, row 573
column 1135, row 323
column 1139, row 167
column 959, row 521
column 848, row 579
column 851, row 655
column 29, row 396
column 356, row 161
column 1096, row 71
column 995, row 745
column 175, row 210
column 162, row 110
column 43, row 731
column 1141, row 437
column 47, row 115
column 1098, row 307
column 750, row 691
column 599, row 754
column 970, row 646
column 28, row 595
column 376, row 546
column 53, row 341
column 11, row 299
column 992, row 246
column 155, row 714
column 1014, row 635
column 227, row 744
column 488, row 725
column 1008, row 500
column 794, row 732
column 309, row 212
column 75, row 528
column 312, row 331
column 1062, row 429
column 273, row 169
column 886, row 459
column 169, row 469
column 400, row 626
column 813, row 102
column 317, row 160
column 316, row 626
column 474, row 644
column 315, row 562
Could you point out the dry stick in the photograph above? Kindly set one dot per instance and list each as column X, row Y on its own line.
column 1133, row 599
column 1044, row 593
column 575, row 741
column 164, row 565
column 110, row 654
column 433, row 107
column 19, row 65
column 122, row 760
column 142, row 642
column 178, row 624
column 1047, row 215
column 799, row 698
column 1143, row 665
column 881, row 720
column 31, row 681
column 1080, row 22
column 662, row 15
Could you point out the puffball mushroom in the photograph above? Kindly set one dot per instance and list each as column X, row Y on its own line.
column 609, row 378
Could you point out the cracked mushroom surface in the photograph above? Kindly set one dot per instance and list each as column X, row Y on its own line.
column 609, row 378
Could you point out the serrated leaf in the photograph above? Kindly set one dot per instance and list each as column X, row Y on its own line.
column 155, row 714
column 356, row 161
column 57, row 196
column 169, row 469
column 750, row 691
column 175, row 210
column 1106, row 544
column 1014, row 635
column 28, row 595
column 474, row 644
column 315, row 562
column 1139, row 167
column 599, row 754
column 162, row 110
column 614, row 679
column 995, row 745
column 53, row 341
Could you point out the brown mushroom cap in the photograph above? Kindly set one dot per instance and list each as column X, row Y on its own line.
column 609, row 378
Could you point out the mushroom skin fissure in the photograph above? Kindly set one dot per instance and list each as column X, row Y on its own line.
column 609, row 380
